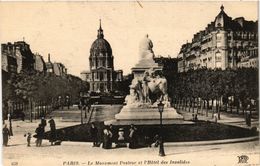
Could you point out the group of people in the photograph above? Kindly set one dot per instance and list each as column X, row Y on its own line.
column 110, row 135
column 40, row 130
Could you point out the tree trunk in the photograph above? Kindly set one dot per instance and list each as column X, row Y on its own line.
column 45, row 107
column 207, row 108
column 185, row 104
column 31, row 109
column 231, row 109
column 189, row 104
column 193, row 102
column 197, row 106
column 179, row 104
column 218, row 108
column 202, row 103
column 212, row 107
column 34, row 111
column 238, row 107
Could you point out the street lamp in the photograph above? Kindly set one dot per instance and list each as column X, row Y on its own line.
column 81, row 106
column 161, row 150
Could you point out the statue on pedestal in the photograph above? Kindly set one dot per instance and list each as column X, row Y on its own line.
column 141, row 91
column 147, row 90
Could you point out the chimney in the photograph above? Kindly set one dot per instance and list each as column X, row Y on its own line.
column 49, row 57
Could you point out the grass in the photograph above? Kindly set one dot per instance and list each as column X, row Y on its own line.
column 200, row 131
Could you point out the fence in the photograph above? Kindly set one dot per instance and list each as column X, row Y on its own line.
column 28, row 110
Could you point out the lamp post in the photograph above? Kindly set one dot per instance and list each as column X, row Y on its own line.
column 81, row 107
column 59, row 102
column 161, row 149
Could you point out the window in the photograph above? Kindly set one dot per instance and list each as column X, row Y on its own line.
column 104, row 63
column 218, row 64
column 101, row 76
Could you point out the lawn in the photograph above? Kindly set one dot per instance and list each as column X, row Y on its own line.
column 199, row 131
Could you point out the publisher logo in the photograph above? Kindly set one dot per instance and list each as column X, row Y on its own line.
column 242, row 159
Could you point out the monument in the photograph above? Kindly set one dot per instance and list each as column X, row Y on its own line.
column 148, row 88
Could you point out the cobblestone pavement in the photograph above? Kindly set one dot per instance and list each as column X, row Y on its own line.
column 80, row 153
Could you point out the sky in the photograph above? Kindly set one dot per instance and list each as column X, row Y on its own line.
column 66, row 30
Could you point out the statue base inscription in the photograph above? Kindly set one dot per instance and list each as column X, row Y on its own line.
column 146, row 116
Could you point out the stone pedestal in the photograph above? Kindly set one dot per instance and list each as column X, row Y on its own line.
column 145, row 116
column 144, row 65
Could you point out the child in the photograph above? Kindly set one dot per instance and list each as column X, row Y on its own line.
column 29, row 136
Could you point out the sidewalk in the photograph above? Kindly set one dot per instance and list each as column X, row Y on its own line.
column 225, row 118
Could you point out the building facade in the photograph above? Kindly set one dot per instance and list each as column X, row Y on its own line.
column 85, row 76
column 59, row 69
column 101, row 62
column 18, row 57
column 39, row 63
column 225, row 43
column 18, row 52
column 118, row 75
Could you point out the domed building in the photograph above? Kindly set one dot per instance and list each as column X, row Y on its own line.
column 101, row 59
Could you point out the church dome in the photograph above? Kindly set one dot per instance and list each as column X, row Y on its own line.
column 100, row 45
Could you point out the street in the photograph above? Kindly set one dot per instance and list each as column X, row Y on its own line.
column 80, row 153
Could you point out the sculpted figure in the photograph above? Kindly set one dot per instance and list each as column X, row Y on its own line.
column 150, row 84
column 158, row 84
column 131, row 98
column 145, row 87
column 146, row 48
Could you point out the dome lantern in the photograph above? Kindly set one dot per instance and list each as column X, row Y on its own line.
column 100, row 31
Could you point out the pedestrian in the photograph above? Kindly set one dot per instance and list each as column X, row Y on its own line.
column 110, row 138
column 215, row 117
column 248, row 118
column 121, row 138
column 196, row 118
column 40, row 134
column 94, row 134
column 106, row 139
column 53, row 131
column 43, row 122
column 29, row 137
column 147, row 141
column 6, row 135
column 156, row 140
column 10, row 124
column 22, row 116
column 133, row 137
column 113, row 132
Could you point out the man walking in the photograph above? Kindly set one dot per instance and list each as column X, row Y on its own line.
column 53, row 131
column 40, row 133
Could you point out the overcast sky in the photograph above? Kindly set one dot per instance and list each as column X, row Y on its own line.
column 66, row 30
